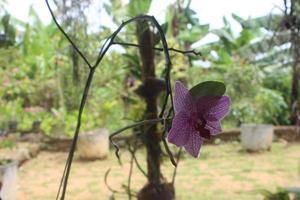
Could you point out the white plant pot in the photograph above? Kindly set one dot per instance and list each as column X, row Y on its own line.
column 93, row 145
column 256, row 137
column 8, row 179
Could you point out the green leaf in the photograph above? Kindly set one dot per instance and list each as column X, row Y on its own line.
column 107, row 8
column 208, row 88
column 245, row 37
column 195, row 34
column 269, row 22
column 226, row 22
column 238, row 18
column 221, row 33
column 137, row 7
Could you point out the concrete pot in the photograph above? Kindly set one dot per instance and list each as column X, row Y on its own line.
column 256, row 137
column 93, row 145
column 8, row 180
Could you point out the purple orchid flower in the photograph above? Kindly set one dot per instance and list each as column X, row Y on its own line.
column 196, row 119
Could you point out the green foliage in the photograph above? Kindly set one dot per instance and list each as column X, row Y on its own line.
column 9, row 31
column 271, row 107
column 251, row 101
column 193, row 34
column 36, row 71
column 5, row 161
column 281, row 194
column 6, row 143
column 184, row 24
column 279, row 80
column 36, row 76
column 137, row 7
column 208, row 88
column 117, row 10
column 10, row 110
column 259, row 94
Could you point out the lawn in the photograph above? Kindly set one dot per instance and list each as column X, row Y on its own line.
column 224, row 172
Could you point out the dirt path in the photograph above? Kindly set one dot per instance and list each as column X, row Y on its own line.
column 222, row 172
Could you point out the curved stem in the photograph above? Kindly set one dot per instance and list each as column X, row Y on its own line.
column 75, row 138
column 144, row 122
column 92, row 68
column 67, row 36
column 159, row 48
column 175, row 169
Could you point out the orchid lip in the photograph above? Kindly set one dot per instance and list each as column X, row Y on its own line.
column 200, row 128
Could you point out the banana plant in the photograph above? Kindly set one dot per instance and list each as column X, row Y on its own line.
column 8, row 32
column 230, row 46
column 184, row 26
column 279, row 48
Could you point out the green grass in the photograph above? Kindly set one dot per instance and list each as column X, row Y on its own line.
column 227, row 172
column 222, row 172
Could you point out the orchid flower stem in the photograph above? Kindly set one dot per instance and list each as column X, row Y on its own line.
column 106, row 182
column 159, row 49
column 141, row 123
column 177, row 161
column 169, row 151
column 105, row 47
column 132, row 151
column 110, row 188
column 163, row 138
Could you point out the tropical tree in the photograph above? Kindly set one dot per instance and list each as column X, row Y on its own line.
column 73, row 16
column 278, row 50
column 234, row 60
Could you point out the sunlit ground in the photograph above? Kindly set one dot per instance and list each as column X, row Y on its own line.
column 222, row 172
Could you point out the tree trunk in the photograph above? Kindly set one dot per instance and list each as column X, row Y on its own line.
column 295, row 105
column 151, row 139
column 295, row 40
column 156, row 187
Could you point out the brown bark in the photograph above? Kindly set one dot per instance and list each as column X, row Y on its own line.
column 295, row 41
column 156, row 187
column 151, row 139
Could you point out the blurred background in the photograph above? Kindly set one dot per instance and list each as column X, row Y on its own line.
column 251, row 46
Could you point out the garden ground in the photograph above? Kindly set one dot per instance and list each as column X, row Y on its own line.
column 223, row 171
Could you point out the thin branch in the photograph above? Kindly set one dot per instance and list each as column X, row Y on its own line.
column 139, row 166
column 159, row 49
column 175, row 169
column 67, row 36
column 106, row 182
column 149, row 121
column 102, row 53
column 135, row 147
column 168, row 150
column 130, row 172
column 75, row 138
column 110, row 188
column 62, row 178
column 163, row 138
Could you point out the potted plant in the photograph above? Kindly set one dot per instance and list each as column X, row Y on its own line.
column 93, row 144
column 8, row 179
column 256, row 137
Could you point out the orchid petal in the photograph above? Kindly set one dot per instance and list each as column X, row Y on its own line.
column 181, row 129
column 213, row 108
column 183, row 100
column 214, row 127
column 194, row 144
